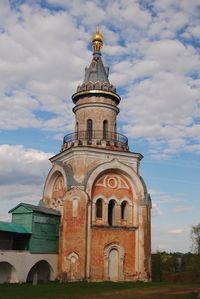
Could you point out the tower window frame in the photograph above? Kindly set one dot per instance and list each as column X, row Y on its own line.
column 89, row 129
column 99, row 208
column 105, row 129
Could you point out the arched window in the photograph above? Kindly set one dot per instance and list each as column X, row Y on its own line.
column 89, row 129
column 124, row 210
column 99, row 208
column 111, row 212
column 105, row 129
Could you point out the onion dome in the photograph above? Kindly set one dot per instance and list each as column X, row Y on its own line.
column 97, row 40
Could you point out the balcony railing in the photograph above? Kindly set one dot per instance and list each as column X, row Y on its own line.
column 96, row 135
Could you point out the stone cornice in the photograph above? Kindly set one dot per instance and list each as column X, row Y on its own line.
column 85, row 150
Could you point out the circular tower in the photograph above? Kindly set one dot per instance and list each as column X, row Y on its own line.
column 95, row 107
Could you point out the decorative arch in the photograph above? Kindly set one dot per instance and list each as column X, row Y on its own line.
column 114, row 262
column 56, row 171
column 115, row 165
column 40, row 272
column 114, row 185
column 8, row 273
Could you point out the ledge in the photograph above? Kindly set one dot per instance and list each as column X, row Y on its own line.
column 114, row 227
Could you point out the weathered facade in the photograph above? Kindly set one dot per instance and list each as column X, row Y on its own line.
column 95, row 183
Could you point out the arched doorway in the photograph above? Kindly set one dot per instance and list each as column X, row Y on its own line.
column 114, row 262
column 40, row 272
column 113, row 265
column 7, row 273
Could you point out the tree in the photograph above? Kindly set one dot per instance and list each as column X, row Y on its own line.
column 195, row 236
column 157, row 266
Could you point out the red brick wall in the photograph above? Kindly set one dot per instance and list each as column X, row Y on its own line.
column 103, row 237
column 74, row 234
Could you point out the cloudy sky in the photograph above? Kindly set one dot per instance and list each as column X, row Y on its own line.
column 153, row 50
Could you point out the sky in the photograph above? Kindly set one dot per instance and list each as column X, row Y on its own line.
column 153, row 50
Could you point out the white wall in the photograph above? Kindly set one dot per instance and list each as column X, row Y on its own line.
column 22, row 262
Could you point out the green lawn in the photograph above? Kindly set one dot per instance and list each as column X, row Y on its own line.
column 100, row 290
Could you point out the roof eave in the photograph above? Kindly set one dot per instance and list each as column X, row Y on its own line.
column 95, row 92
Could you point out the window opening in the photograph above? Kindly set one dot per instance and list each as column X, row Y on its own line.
column 123, row 210
column 89, row 129
column 105, row 129
column 111, row 207
column 99, row 208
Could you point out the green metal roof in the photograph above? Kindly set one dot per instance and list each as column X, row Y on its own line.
column 33, row 208
column 13, row 228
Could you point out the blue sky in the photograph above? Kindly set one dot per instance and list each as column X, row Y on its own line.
column 152, row 49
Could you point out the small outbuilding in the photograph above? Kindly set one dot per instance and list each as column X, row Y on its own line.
column 29, row 244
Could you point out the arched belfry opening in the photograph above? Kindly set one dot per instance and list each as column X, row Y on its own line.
column 99, row 208
column 124, row 207
column 112, row 195
column 111, row 212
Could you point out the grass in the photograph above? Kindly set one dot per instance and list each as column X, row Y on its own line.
column 79, row 290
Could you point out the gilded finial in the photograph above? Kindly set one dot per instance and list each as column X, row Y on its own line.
column 97, row 40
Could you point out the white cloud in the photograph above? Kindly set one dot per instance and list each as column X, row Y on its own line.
column 22, row 176
column 176, row 231
column 164, row 197
column 40, row 58
column 183, row 208
column 156, row 211
column 168, row 117
column 22, row 166
column 44, row 52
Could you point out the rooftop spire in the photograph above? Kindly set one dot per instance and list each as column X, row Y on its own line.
column 97, row 40
column 96, row 75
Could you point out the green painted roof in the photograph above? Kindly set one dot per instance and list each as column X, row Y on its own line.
column 33, row 208
column 13, row 228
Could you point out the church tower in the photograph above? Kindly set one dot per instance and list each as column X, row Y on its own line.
column 105, row 231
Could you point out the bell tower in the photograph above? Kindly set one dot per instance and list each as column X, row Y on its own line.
column 95, row 182
column 95, row 107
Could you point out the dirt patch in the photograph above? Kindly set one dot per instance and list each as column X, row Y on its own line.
column 148, row 293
